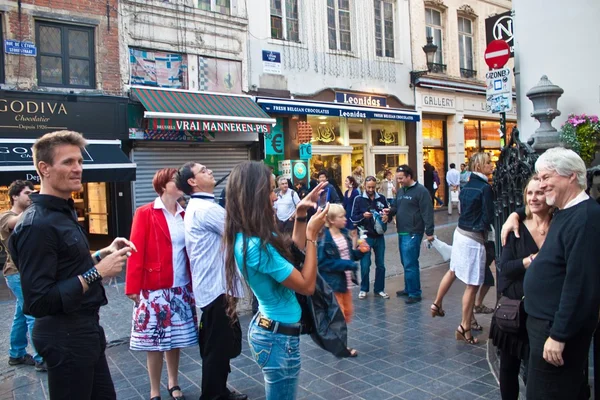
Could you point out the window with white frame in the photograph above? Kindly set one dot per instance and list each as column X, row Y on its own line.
column 384, row 28
column 220, row 6
column 284, row 20
column 338, row 24
column 434, row 29
column 465, row 43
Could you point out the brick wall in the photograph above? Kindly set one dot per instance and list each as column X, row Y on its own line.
column 20, row 71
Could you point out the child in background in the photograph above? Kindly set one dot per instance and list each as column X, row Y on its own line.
column 337, row 255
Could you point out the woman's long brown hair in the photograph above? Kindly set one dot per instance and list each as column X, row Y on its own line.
column 249, row 211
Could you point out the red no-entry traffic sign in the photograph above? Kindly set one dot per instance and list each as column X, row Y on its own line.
column 497, row 54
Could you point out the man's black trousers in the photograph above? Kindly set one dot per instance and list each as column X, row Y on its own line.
column 547, row 382
column 73, row 348
column 220, row 340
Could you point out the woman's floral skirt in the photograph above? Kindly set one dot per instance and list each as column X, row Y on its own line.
column 164, row 320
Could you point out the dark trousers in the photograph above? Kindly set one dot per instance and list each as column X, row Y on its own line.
column 286, row 226
column 73, row 348
column 510, row 367
column 547, row 382
column 220, row 340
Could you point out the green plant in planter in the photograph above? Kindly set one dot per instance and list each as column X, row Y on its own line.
column 581, row 133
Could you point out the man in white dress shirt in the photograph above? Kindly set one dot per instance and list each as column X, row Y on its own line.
column 453, row 180
column 285, row 206
column 220, row 340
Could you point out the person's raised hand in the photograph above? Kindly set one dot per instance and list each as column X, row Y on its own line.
column 310, row 200
column 112, row 265
column 316, row 223
column 510, row 225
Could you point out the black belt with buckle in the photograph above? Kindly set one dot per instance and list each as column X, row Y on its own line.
column 278, row 327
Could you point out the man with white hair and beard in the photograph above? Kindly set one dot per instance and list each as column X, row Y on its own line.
column 562, row 296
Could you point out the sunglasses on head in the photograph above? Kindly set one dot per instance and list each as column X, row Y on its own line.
column 371, row 179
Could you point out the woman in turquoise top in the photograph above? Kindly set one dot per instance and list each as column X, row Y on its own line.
column 255, row 248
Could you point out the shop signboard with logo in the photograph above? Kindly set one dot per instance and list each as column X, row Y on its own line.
column 30, row 115
column 366, row 100
column 274, row 140
column 500, row 27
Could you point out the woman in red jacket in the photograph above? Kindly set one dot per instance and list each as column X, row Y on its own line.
column 158, row 281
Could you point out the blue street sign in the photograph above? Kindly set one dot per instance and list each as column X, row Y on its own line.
column 17, row 47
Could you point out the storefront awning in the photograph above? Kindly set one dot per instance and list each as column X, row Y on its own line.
column 183, row 110
column 306, row 107
column 103, row 161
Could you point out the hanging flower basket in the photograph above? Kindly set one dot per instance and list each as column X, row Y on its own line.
column 581, row 133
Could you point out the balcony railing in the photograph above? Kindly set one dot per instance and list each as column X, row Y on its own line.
column 468, row 73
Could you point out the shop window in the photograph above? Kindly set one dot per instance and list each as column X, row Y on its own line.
column 338, row 24
column 434, row 29
column 284, row 20
column 356, row 129
column 433, row 133
column 332, row 164
column 384, row 28
column 387, row 133
column 384, row 162
column 220, row 6
column 157, row 68
column 490, row 134
column 465, row 47
column 91, row 206
column 326, row 130
column 65, row 55
column 437, row 158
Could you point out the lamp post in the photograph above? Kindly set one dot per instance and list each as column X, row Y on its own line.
column 430, row 49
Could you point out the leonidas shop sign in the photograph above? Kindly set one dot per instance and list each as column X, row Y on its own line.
column 366, row 100
column 207, row 126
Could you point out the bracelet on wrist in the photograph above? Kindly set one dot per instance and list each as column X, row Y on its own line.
column 302, row 219
column 97, row 256
column 311, row 241
column 91, row 275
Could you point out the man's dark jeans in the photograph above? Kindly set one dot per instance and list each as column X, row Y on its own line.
column 544, row 380
column 378, row 247
column 73, row 347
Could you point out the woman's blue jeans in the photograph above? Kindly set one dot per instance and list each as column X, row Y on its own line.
column 278, row 356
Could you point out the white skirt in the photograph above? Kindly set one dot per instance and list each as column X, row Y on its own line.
column 164, row 320
column 468, row 259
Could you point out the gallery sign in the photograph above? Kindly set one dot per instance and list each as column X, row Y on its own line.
column 438, row 101
column 206, row 126
column 366, row 100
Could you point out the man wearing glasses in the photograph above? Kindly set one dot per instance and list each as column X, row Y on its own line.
column 414, row 216
column 371, row 209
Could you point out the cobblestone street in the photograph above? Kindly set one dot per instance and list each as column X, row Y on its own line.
column 403, row 352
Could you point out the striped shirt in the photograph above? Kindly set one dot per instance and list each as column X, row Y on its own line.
column 204, row 225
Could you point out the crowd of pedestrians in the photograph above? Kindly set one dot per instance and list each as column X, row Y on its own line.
column 203, row 255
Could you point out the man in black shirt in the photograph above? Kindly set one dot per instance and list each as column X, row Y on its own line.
column 562, row 299
column 61, row 285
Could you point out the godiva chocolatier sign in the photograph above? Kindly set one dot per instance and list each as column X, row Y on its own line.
column 28, row 115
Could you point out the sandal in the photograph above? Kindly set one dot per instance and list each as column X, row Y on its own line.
column 437, row 311
column 475, row 325
column 482, row 309
column 176, row 389
column 353, row 352
column 460, row 334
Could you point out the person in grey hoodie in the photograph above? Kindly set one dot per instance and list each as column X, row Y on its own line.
column 414, row 217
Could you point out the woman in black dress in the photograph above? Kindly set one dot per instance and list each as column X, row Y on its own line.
column 516, row 257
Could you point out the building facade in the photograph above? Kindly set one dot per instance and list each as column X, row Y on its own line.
column 451, row 97
column 185, row 69
column 572, row 59
column 60, row 70
column 339, row 70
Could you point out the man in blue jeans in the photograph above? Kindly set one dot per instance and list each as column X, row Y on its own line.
column 363, row 216
column 18, row 193
column 414, row 217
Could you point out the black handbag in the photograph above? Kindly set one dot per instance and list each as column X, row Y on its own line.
column 508, row 314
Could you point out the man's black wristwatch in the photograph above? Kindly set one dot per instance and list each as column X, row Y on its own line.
column 91, row 275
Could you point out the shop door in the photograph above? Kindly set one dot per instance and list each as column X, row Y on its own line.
column 152, row 157
column 435, row 153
